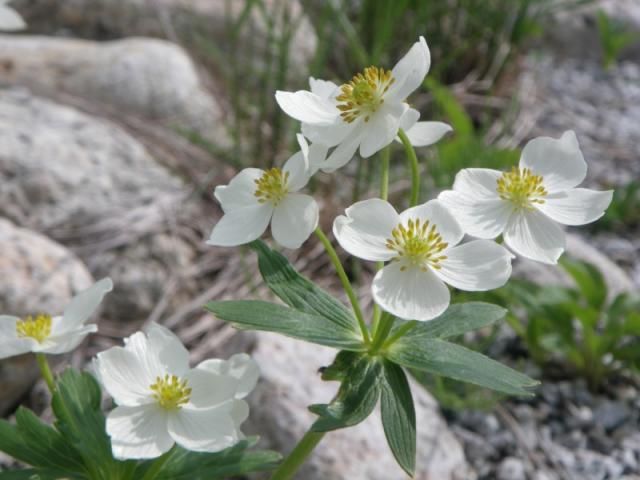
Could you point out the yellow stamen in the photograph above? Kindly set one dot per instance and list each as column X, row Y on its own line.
column 363, row 95
column 521, row 187
column 171, row 392
column 417, row 244
column 38, row 328
column 272, row 186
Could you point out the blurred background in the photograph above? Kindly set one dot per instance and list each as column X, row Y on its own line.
column 118, row 118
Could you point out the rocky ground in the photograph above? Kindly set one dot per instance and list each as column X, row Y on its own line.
column 96, row 181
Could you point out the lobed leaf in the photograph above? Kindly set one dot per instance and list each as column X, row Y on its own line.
column 398, row 416
column 356, row 398
column 270, row 317
column 297, row 291
column 450, row 360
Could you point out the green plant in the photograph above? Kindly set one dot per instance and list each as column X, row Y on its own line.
column 614, row 38
column 624, row 211
column 576, row 326
column 77, row 447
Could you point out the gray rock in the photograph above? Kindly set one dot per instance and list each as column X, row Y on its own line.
column 512, row 468
column 38, row 276
column 89, row 185
column 150, row 78
column 99, row 19
column 610, row 415
column 290, row 382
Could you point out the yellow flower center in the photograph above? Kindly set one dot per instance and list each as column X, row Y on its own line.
column 38, row 327
column 417, row 244
column 363, row 95
column 171, row 392
column 272, row 186
column 521, row 187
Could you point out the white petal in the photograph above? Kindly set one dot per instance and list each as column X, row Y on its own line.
column 344, row 152
column 412, row 294
column 210, row 389
column 208, row 430
column 577, row 206
column 532, row 235
column 380, row 131
column 239, row 412
column 364, row 231
column 423, row 134
column 168, row 349
column 83, row 305
column 307, row 107
column 138, row 432
column 299, row 171
column 437, row 214
column 240, row 192
column 124, row 377
column 409, row 119
column 478, row 182
column 294, row 220
column 10, row 20
column 65, row 341
column 329, row 135
column 317, row 156
column 480, row 218
column 410, row 71
column 560, row 162
column 476, row 266
column 10, row 344
column 323, row 88
column 241, row 226
column 240, row 366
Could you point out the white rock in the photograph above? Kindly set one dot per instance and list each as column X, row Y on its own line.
column 38, row 276
column 92, row 187
column 290, row 382
column 168, row 18
column 150, row 78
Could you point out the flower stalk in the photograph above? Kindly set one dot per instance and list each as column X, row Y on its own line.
column 413, row 167
column 346, row 284
column 298, row 456
column 45, row 370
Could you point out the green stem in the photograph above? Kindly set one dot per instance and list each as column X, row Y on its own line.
column 384, row 327
column 400, row 332
column 298, row 456
column 384, row 195
column 157, row 466
column 345, row 283
column 413, row 166
column 45, row 370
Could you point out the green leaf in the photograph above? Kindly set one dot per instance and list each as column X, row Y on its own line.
column 339, row 369
column 356, row 398
column 588, row 279
column 234, row 461
column 459, row 318
column 76, row 404
column 297, row 291
column 34, row 443
column 269, row 317
column 451, row 360
column 398, row 416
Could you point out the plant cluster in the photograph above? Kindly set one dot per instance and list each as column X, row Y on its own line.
column 173, row 421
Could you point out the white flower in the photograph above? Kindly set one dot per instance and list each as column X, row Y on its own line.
column 367, row 112
column 10, row 20
column 161, row 401
column 43, row 333
column 526, row 204
column 256, row 197
column 421, row 245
